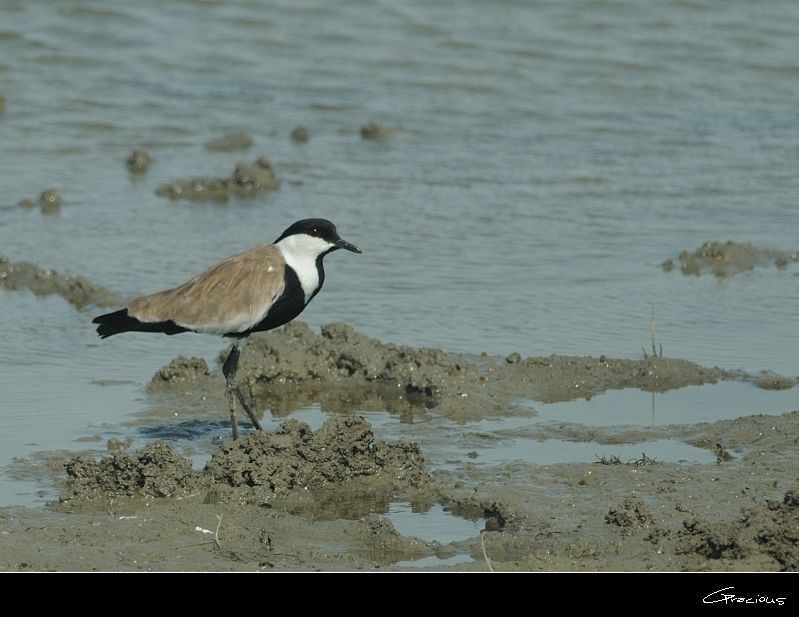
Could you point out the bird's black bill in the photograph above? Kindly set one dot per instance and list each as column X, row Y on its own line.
column 343, row 244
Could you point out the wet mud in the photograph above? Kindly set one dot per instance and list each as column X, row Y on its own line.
column 247, row 180
column 258, row 468
column 346, row 370
column 298, row 499
column 728, row 258
column 77, row 290
column 294, row 499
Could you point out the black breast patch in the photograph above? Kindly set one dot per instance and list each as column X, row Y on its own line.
column 290, row 304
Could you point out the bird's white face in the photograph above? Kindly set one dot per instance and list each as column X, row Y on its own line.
column 300, row 252
column 303, row 246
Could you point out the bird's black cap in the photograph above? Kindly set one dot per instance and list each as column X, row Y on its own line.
column 319, row 228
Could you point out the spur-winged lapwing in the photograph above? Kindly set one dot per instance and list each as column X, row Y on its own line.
column 256, row 290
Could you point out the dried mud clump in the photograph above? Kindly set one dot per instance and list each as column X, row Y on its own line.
column 632, row 514
column 728, row 258
column 153, row 471
column 77, row 290
column 709, row 540
column 280, row 467
column 294, row 457
column 247, row 180
column 775, row 530
column 765, row 535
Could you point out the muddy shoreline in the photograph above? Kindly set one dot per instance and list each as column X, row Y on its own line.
column 298, row 499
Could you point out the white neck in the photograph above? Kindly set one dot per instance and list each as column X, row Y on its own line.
column 300, row 252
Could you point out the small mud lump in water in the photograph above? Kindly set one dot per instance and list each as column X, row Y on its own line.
column 723, row 259
column 247, row 180
column 232, row 141
column 138, row 162
column 50, row 201
column 372, row 130
column 300, row 134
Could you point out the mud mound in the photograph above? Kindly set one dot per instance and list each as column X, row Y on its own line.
column 762, row 533
column 278, row 364
column 632, row 514
column 179, row 372
column 345, row 371
column 292, row 457
column 728, row 258
column 153, row 471
column 247, row 180
column 78, row 290
column 260, row 466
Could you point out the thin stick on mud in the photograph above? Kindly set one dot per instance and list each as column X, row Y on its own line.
column 485, row 555
column 216, row 533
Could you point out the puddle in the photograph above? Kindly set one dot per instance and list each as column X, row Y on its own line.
column 725, row 400
column 434, row 562
column 435, row 525
column 448, row 445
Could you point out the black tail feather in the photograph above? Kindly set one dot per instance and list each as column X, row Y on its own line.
column 119, row 321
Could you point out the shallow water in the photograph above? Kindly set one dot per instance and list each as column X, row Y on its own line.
column 544, row 159
column 690, row 405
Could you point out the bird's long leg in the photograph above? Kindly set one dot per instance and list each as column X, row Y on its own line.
column 232, row 359
column 229, row 369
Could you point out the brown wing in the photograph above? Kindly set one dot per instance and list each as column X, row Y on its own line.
column 231, row 296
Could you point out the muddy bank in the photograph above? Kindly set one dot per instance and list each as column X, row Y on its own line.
column 728, row 258
column 298, row 500
column 77, row 290
column 247, row 180
column 737, row 514
column 344, row 370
